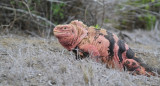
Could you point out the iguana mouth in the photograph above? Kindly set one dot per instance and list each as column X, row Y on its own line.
column 60, row 34
column 56, row 33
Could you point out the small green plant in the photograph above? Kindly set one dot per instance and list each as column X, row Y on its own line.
column 97, row 26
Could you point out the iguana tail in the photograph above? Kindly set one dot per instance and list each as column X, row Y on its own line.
column 149, row 70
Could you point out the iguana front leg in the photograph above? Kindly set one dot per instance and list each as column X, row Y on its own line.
column 91, row 49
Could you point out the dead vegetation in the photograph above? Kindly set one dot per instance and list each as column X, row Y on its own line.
column 28, row 61
column 31, row 56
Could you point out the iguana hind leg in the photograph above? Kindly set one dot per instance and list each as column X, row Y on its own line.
column 134, row 67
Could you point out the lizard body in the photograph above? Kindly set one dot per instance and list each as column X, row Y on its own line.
column 101, row 45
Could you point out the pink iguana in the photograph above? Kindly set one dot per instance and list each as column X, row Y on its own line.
column 101, row 45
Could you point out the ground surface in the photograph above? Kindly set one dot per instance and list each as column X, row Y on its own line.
column 35, row 61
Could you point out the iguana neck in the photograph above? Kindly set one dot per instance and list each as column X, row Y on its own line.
column 82, row 33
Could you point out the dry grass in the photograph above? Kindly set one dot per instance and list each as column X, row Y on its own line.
column 30, row 61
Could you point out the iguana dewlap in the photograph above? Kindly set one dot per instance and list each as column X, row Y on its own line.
column 101, row 45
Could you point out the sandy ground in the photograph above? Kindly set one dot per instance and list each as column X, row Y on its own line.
column 32, row 61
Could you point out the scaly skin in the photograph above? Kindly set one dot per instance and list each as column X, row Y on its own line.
column 101, row 45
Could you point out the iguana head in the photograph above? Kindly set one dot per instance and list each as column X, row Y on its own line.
column 70, row 35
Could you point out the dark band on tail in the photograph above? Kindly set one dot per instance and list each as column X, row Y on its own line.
column 130, row 54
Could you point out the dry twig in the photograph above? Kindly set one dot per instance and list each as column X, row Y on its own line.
column 28, row 13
